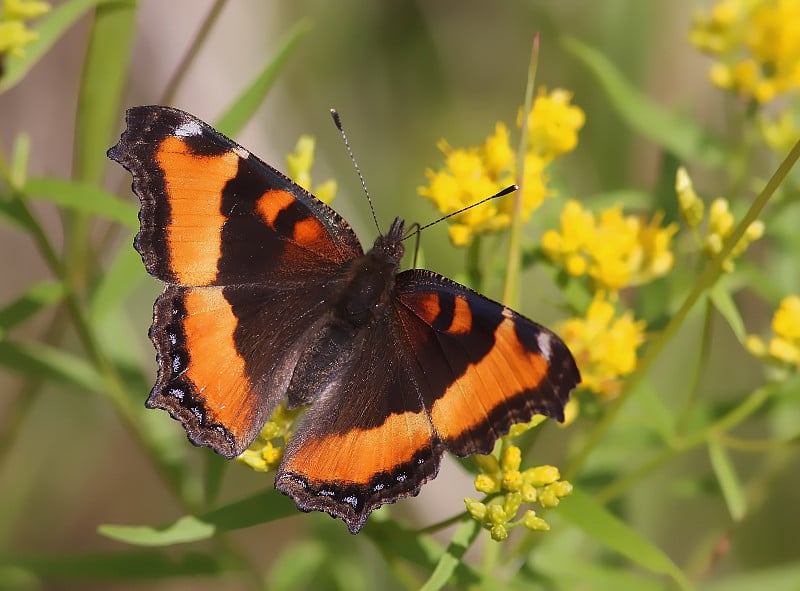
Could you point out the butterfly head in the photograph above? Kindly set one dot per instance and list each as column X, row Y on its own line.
column 390, row 245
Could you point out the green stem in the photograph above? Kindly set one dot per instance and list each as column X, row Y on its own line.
column 727, row 422
column 700, row 363
column 710, row 275
column 194, row 49
column 473, row 264
column 511, row 290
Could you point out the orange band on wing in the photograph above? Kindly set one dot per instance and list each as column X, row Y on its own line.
column 272, row 203
column 306, row 231
column 359, row 455
column 194, row 186
column 507, row 369
column 215, row 367
column 462, row 317
column 429, row 308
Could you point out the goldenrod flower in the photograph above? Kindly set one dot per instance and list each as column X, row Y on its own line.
column 14, row 32
column 474, row 173
column 540, row 485
column 553, row 124
column 720, row 222
column 469, row 176
column 784, row 347
column 299, row 165
column 265, row 453
column 690, row 205
column 604, row 345
column 757, row 44
column 780, row 132
column 615, row 250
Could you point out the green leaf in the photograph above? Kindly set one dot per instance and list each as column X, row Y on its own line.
column 19, row 159
column 297, row 565
column 723, row 302
column 123, row 566
column 105, row 73
column 658, row 414
column 599, row 523
column 462, row 539
column 43, row 361
column 423, row 551
column 728, row 480
column 35, row 299
column 674, row 132
column 13, row 212
column 49, row 28
column 240, row 112
column 186, row 529
column 123, row 274
column 255, row 510
column 84, row 198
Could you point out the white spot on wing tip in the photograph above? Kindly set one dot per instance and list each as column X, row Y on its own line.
column 241, row 152
column 188, row 129
column 544, row 340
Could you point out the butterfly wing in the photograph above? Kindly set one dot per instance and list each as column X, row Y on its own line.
column 249, row 259
column 214, row 214
column 368, row 440
column 481, row 367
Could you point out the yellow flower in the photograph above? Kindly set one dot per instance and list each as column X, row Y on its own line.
column 616, row 251
column 465, row 180
column 540, row 484
column 784, row 347
column 265, row 453
column 14, row 33
column 690, row 205
column 553, row 124
column 299, row 163
column 474, row 173
column 604, row 345
column 757, row 44
column 720, row 222
column 781, row 132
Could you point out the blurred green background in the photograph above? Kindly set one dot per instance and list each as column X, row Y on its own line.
column 402, row 75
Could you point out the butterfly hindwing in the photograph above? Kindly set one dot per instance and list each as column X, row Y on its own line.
column 367, row 440
column 226, row 356
column 482, row 367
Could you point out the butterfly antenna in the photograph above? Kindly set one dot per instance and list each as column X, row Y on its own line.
column 506, row 191
column 338, row 121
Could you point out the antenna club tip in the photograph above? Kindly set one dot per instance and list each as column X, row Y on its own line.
column 507, row 190
column 336, row 119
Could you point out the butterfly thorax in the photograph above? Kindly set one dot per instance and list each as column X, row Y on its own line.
column 371, row 280
column 360, row 306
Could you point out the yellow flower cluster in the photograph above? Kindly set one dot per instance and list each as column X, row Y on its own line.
column 299, row 165
column 14, row 33
column 540, row 485
column 784, row 347
column 615, row 250
column 604, row 345
column 472, row 174
column 720, row 221
column 265, row 453
column 756, row 43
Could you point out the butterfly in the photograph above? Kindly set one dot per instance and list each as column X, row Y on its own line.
column 269, row 297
